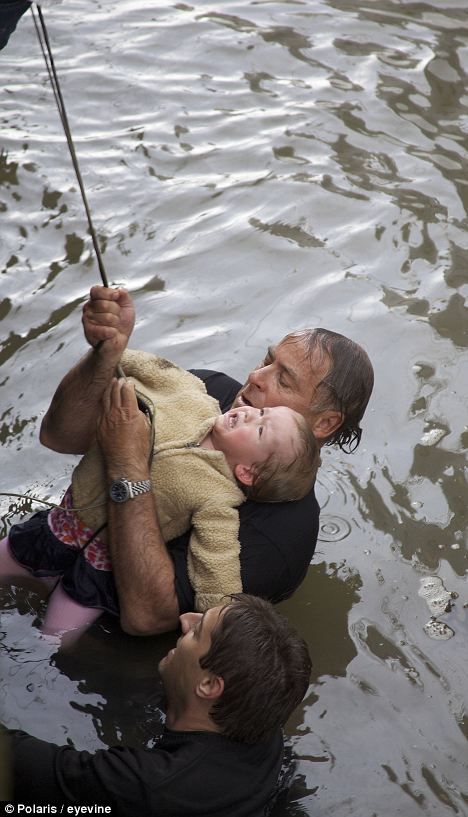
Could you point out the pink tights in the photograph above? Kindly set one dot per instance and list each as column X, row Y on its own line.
column 63, row 614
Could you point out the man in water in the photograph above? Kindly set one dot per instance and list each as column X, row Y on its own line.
column 321, row 374
column 235, row 676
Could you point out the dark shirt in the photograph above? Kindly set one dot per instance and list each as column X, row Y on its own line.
column 277, row 539
column 202, row 774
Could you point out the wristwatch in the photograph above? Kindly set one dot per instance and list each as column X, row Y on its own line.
column 123, row 489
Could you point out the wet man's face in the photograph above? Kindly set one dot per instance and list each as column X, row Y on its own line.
column 180, row 668
column 288, row 376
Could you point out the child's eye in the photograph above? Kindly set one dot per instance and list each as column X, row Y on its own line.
column 262, row 412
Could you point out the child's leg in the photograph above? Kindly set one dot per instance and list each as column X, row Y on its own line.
column 10, row 569
column 64, row 614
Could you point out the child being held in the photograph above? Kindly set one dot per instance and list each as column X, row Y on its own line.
column 204, row 465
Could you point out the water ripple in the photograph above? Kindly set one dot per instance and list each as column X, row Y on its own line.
column 253, row 168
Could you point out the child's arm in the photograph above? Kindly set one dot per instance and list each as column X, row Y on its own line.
column 213, row 555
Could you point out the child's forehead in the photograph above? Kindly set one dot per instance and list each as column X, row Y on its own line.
column 284, row 414
column 284, row 420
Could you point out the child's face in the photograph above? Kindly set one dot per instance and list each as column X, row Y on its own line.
column 248, row 436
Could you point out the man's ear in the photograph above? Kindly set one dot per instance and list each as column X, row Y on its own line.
column 210, row 687
column 245, row 474
column 326, row 423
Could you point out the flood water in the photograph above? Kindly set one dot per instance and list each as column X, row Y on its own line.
column 253, row 168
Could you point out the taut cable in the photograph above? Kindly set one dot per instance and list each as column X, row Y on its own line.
column 143, row 402
column 44, row 42
column 46, row 49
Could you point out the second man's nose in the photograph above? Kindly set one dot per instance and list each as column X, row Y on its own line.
column 256, row 377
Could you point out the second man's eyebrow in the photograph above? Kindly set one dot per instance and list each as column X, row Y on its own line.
column 286, row 369
column 290, row 373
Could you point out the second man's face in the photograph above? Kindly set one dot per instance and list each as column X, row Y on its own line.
column 287, row 376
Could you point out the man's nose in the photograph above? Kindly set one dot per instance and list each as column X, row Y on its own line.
column 257, row 377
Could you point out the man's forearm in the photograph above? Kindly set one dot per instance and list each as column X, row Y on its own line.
column 69, row 425
column 143, row 570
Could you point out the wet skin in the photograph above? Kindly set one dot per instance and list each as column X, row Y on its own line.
column 180, row 669
column 249, row 436
column 288, row 376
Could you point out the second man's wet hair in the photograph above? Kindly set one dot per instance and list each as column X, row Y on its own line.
column 348, row 385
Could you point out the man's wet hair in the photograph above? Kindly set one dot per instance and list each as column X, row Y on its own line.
column 346, row 388
column 265, row 666
column 279, row 481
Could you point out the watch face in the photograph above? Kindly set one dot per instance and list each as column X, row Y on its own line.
column 119, row 491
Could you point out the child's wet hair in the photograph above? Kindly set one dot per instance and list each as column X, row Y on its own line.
column 279, row 481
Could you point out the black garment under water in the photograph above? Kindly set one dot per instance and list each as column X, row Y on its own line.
column 201, row 774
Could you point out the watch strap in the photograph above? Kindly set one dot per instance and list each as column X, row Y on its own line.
column 141, row 486
column 123, row 489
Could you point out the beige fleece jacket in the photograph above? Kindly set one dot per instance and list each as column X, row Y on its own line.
column 193, row 487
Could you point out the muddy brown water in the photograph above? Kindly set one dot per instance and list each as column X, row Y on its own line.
column 254, row 168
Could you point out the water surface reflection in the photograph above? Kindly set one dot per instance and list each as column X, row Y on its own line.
column 255, row 168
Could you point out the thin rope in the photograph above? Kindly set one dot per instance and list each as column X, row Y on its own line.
column 46, row 49
column 44, row 42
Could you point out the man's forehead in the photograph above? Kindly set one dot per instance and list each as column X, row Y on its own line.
column 308, row 363
column 300, row 350
column 294, row 341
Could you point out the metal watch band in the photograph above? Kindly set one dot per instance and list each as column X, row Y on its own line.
column 142, row 486
column 123, row 489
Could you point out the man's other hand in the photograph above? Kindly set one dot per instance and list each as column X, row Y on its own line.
column 124, row 432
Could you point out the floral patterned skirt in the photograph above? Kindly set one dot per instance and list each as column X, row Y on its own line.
column 58, row 543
